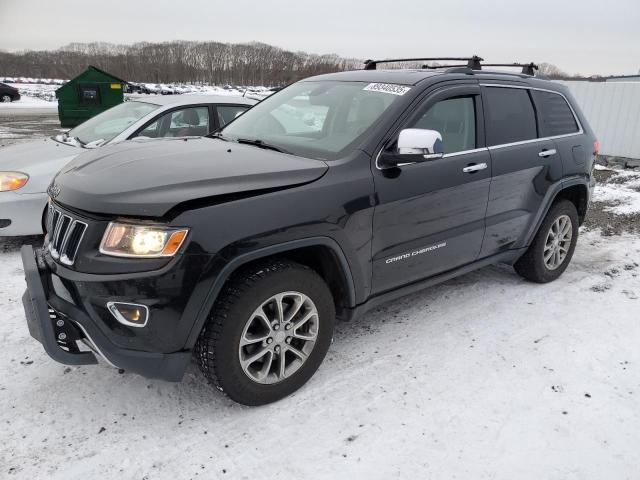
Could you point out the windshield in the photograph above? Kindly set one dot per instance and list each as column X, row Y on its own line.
column 110, row 123
column 315, row 119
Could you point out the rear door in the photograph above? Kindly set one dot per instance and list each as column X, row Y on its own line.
column 524, row 165
column 430, row 215
column 558, row 120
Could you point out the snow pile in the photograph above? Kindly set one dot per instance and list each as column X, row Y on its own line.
column 621, row 192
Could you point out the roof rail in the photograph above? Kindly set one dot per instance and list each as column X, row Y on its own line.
column 527, row 68
column 472, row 62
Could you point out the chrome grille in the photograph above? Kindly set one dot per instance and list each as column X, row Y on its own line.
column 65, row 234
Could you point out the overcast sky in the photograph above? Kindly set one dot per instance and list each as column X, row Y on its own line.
column 579, row 36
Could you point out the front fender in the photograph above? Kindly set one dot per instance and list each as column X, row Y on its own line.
column 237, row 262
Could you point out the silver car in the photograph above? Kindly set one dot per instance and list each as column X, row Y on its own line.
column 27, row 169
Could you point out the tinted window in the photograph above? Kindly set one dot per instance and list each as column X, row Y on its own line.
column 511, row 115
column 556, row 118
column 455, row 119
column 226, row 113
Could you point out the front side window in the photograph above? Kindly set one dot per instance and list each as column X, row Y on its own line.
column 316, row 119
column 185, row 122
column 510, row 114
column 106, row 125
column 455, row 119
column 556, row 117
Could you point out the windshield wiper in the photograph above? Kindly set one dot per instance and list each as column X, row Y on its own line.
column 261, row 144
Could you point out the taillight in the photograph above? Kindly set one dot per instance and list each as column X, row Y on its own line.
column 596, row 147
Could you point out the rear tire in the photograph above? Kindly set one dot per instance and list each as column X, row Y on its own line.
column 246, row 323
column 6, row 98
column 553, row 246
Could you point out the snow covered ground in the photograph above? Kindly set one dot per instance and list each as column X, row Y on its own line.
column 484, row 377
column 43, row 94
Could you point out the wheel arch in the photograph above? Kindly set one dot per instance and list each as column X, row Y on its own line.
column 576, row 190
column 322, row 254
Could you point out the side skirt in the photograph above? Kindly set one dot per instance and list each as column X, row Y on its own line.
column 509, row 257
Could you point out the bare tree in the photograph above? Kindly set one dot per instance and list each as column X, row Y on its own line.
column 178, row 61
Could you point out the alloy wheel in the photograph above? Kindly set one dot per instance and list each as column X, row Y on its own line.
column 278, row 337
column 558, row 242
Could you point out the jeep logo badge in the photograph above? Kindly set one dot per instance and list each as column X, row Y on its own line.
column 53, row 190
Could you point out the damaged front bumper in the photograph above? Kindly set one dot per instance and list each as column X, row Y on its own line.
column 62, row 329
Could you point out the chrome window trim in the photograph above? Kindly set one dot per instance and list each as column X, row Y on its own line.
column 465, row 152
column 512, row 144
column 533, row 140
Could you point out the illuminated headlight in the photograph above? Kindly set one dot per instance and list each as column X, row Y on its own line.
column 12, row 181
column 143, row 241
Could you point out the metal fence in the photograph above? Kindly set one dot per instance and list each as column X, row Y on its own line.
column 613, row 111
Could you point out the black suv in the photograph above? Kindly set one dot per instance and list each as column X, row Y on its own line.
column 335, row 194
column 8, row 93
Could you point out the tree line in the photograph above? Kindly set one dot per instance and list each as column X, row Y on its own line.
column 177, row 61
column 190, row 62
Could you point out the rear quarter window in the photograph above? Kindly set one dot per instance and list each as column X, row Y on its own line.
column 511, row 115
column 556, row 117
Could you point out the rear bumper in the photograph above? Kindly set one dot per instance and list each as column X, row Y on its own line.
column 60, row 326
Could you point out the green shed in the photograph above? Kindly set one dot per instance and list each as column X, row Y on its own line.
column 91, row 92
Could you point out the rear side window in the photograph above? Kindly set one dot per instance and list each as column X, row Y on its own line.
column 511, row 115
column 226, row 113
column 556, row 117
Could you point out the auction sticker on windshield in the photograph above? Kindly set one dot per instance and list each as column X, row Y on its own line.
column 387, row 88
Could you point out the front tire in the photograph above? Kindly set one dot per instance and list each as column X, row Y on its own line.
column 268, row 332
column 6, row 98
column 553, row 246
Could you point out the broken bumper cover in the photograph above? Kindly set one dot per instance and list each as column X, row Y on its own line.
column 59, row 325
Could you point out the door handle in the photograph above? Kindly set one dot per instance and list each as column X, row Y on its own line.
column 474, row 168
column 547, row 153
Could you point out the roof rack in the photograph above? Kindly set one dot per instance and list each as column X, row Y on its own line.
column 527, row 68
column 472, row 62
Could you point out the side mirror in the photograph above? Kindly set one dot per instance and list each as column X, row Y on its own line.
column 414, row 145
column 417, row 141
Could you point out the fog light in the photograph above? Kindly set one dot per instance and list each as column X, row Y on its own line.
column 131, row 314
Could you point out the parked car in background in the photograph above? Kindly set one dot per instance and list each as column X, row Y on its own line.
column 8, row 93
column 27, row 169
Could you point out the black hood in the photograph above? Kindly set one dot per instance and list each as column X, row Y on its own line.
column 149, row 177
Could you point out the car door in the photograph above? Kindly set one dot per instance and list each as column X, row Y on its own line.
column 525, row 165
column 430, row 215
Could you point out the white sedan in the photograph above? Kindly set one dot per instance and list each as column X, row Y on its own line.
column 27, row 169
